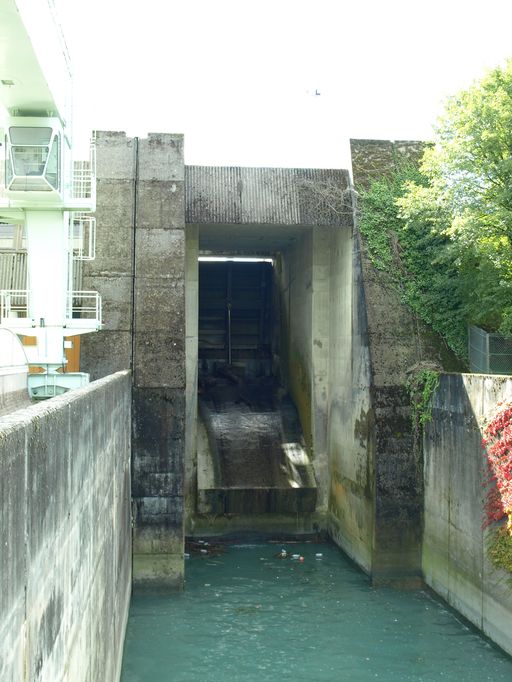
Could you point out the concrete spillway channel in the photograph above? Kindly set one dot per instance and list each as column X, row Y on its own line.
column 251, row 455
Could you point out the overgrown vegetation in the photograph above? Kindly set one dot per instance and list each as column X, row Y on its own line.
column 444, row 231
column 422, row 385
column 498, row 505
column 415, row 255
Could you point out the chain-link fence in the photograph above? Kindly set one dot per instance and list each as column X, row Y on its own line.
column 489, row 353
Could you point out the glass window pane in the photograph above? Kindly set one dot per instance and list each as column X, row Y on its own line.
column 30, row 135
column 52, row 168
column 29, row 160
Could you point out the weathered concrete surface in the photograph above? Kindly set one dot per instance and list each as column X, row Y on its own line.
column 140, row 272
column 111, row 273
column 454, row 557
column 65, row 535
column 351, row 435
column 220, row 195
column 371, row 159
column 191, row 348
column 159, row 396
column 396, row 342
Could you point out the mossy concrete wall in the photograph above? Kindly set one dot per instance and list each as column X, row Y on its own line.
column 381, row 526
column 454, row 558
column 65, row 535
column 351, row 436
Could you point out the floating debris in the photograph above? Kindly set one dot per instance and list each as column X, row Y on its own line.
column 202, row 547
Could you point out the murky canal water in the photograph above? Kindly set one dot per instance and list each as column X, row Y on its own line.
column 247, row 615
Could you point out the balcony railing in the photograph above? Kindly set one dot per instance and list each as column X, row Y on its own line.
column 82, row 233
column 14, row 305
column 84, row 177
column 84, row 309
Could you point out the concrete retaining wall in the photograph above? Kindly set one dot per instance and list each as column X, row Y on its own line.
column 65, row 535
column 455, row 562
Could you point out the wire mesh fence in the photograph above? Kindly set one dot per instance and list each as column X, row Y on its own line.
column 489, row 353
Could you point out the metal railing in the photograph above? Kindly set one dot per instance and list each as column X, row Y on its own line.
column 84, row 176
column 82, row 234
column 14, row 304
column 84, row 305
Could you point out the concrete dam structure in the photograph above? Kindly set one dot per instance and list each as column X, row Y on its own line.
column 252, row 369
column 313, row 323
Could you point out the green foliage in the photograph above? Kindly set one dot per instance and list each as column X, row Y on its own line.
column 500, row 548
column 444, row 231
column 421, row 386
column 414, row 253
column 468, row 197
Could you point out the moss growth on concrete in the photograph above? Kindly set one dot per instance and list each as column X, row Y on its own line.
column 500, row 549
column 300, row 390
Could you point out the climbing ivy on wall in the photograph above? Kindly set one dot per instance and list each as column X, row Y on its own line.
column 415, row 255
column 498, row 504
column 422, row 385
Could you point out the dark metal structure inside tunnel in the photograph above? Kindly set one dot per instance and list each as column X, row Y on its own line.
column 252, row 457
column 235, row 315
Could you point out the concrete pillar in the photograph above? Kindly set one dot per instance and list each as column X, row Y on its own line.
column 159, row 361
column 139, row 271
column 111, row 272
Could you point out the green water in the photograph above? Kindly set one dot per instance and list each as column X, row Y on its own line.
column 247, row 615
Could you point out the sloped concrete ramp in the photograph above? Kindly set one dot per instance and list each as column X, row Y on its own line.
column 251, row 453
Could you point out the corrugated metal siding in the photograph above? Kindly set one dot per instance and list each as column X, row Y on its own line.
column 13, row 271
column 271, row 196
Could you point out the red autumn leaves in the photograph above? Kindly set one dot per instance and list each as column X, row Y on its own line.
column 498, row 444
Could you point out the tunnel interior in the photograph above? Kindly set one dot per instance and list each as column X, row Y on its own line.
column 236, row 316
column 252, row 457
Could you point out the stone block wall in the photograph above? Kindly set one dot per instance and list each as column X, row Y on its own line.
column 454, row 558
column 371, row 159
column 65, row 535
column 159, row 373
column 140, row 272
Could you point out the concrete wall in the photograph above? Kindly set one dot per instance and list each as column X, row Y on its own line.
column 140, row 272
column 111, row 272
column 65, row 535
column 454, row 558
column 376, row 470
column 159, row 375
column 351, row 437
column 192, row 313
column 296, row 291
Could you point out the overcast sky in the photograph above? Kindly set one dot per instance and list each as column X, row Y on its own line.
column 239, row 77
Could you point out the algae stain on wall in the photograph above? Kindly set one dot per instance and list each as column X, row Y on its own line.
column 300, row 388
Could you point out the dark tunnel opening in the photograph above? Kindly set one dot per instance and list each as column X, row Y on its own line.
column 253, row 458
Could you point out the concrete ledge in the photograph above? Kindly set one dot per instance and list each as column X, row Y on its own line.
column 65, row 533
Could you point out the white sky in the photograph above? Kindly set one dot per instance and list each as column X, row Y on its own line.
column 238, row 77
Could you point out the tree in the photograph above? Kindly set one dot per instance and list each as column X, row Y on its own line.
column 467, row 197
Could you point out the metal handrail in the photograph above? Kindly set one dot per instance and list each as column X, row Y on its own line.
column 14, row 304
column 84, row 305
column 82, row 232
column 84, row 176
